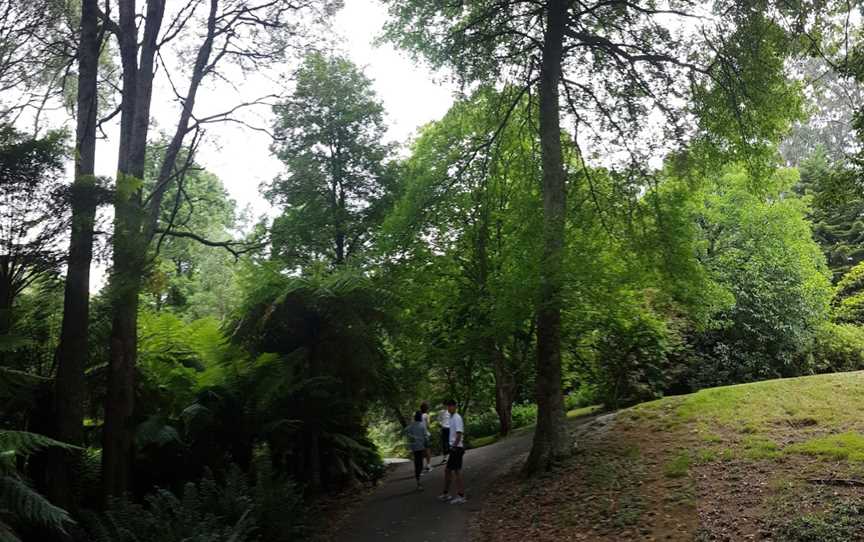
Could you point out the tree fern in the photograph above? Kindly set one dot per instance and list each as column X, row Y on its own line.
column 23, row 443
column 18, row 387
column 17, row 498
column 28, row 506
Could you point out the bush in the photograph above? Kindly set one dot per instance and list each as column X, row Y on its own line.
column 524, row 415
column 484, row 424
column 388, row 438
column 242, row 509
column 838, row 347
column 585, row 395
column 632, row 356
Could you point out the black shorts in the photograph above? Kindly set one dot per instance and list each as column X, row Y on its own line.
column 454, row 461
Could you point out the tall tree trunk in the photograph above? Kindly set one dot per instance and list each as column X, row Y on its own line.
column 505, row 388
column 129, row 245
column 549, row 438
column 73, row 348
column 6, row 300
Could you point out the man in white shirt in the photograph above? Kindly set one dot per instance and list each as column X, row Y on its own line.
column 444, row 422
column 453, row 472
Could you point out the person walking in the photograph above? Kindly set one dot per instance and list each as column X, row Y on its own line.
column 417, row 441
column 453, row 471
column 424, row 411
column 444, row 422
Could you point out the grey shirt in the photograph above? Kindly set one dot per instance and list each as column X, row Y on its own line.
column 416, row 436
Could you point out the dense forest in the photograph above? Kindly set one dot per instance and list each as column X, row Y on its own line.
column 626, row 200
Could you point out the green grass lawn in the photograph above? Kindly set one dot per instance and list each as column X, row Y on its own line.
column 819, row 415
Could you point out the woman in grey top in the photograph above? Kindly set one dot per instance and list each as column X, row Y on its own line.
column 417, row 439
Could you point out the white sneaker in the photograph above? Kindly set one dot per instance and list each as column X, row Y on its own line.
column 458, row 500
column 445, row 497
column 428, row 468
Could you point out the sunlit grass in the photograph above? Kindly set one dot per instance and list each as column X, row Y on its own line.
column 844, row 446
column 826, row 400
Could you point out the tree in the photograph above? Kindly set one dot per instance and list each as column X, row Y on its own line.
column 616, row 63
column 32, row 213
column 759, row 249
column 75, row 331
column 836, row 211
column 185, row 271
column 36, row 54
column 248, row 32
column 319, row 358
column 328, row 135
column 468, row 226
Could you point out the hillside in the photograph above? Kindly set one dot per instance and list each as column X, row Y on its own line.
column 778, row 460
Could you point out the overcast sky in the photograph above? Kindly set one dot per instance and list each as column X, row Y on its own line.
column 241, row 156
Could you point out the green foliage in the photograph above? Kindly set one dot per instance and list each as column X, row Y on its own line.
column 460, row 246
column 838, row 523
column 18, row 500
column 759, row 249
column 32, row 211
column 838, row 347
column 243, row 509
column 336, row 184
column 188, row 277
column 178, row 358
column 632, row 355
column 319, row 365
column 837, row 207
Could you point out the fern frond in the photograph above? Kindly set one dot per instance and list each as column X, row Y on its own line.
column 156, row 431
column 18, row 385
column 30, row 506
column 11, row 343
column 26, row 443
column 7, row 534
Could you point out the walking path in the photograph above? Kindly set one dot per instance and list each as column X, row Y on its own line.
column 397, row 511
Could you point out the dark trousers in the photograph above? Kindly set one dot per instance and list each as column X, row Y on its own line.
column 418, row 463
column 445, row 440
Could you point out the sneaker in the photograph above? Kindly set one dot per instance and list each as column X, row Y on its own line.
column 458, row 500
column 445, row 497
column 419, row 486
column 428, row 469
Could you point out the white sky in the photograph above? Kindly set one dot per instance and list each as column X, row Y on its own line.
column 241, row 156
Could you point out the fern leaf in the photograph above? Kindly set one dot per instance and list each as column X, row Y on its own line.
column 30, row 506
column 7, row 534
column 25, row 443
column 18, row 385
column 154, row 430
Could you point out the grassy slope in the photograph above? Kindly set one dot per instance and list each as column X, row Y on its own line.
column 776, row 460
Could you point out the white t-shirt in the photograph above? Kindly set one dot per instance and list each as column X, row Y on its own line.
column 444, row 419
column 426, row 423
column 457, row 426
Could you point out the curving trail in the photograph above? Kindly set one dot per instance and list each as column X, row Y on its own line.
column 397, row 511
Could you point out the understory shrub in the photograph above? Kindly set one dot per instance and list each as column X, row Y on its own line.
column 582, row 396
column 524, row 415
column 243, row 508
column 632, row 355
column 838, row 347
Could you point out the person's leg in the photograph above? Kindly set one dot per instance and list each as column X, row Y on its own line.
column 456, row 463
column 445, row 441
column 445, row 495
column 428, row 453
column 418, row 464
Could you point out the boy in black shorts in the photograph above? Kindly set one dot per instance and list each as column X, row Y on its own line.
column 453, row 472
